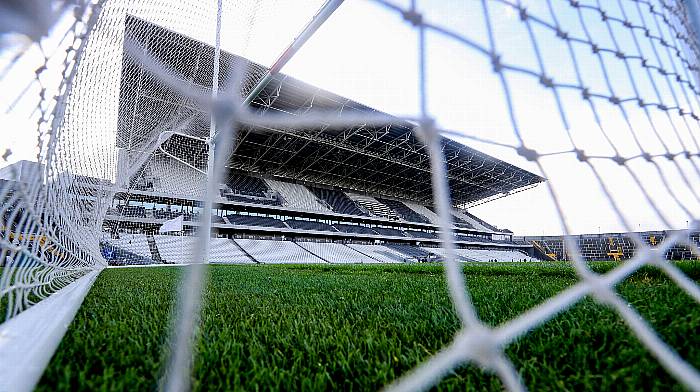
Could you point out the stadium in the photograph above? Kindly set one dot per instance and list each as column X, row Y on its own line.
column 198, row 218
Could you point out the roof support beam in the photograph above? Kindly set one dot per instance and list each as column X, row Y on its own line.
column 321, row 17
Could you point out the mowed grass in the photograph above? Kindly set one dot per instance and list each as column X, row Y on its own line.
column 353, row 327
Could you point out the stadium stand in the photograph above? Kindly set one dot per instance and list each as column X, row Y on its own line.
column 244, row 184
column 354, row 229
column 473, row 220
column 116, row 255
column 309, row 225
column 458, row 220
column 411, row 252
column 424, row 211
column 374, row 206
column 180, row 250
column 297, row 196
column 134, row 243
column 403, row 211
column 131, row 211
column 277, row 252
column 250, row 220
column 379, row 252
column 270, row 201
column 338, row 201
column 176, row 249
column 485, row 255
column 336, row 253
column 389, row 231
column 226, row 251
column 421, row 234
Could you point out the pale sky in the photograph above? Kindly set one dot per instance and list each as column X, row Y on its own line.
column 368, row 53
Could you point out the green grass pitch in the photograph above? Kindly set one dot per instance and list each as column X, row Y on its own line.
column 357, row 327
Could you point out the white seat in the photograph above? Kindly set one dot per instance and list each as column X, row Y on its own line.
column 379, row 252
column 134, row 243
column 297, row 196
column 277, row 252
column 337, row 253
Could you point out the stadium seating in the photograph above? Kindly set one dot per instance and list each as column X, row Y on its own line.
column 134, row 243
column 336, row 253
column 176, row 249
column 379, row 252
column 472, row 220
column 132, row 211
column 411, row 252
column 501, row 255
column 308, row 225
column 424, row 211
column 165, row 214
column 354, row 229
column 421, row 234
column 180, row 250
column 268, row 201
column 338, row 201
column 436, row 252
column 373, row 206
column 389, row 232
column 115, row 255
column 244, row 184
column 250, row 220
column 403, row 211
column 277, row 252
column 297, row 196
column 226, row 251
column 459, row 222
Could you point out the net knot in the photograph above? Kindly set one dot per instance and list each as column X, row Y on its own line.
column 619, row 160
column 413, row 17
column 480, row 346
column 523, row 14
column 546, row 81
column 586, row 94
column 528, row 153
column 600, row 291
column 496, row 63
column 581, row 155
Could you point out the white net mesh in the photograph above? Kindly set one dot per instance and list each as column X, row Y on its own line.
column 604, row 93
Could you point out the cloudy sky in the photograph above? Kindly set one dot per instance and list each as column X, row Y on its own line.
column 370, row 54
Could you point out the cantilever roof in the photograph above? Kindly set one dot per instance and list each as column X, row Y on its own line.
column 383, row 160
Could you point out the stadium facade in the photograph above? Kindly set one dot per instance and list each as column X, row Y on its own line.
column 318, row 194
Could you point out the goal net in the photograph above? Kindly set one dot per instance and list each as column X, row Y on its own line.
column 145, row 113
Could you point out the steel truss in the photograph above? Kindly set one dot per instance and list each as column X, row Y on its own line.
column 387, row 160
